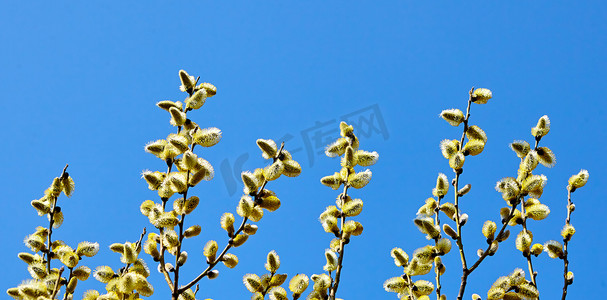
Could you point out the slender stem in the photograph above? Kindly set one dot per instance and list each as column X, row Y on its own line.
column 68, row 280
column 437, row 221
column 486, row 252
column 51, row 222
column 532, row 273
column 215, row 262
column 268, row 287
column 57, row 285
column 137, row 247
column 410, row 287
column 342, row 246
column 163, row 270
column 565, row 244
column 459, row 241
column 181, row 222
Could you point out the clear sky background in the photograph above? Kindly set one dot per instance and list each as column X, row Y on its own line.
column 79, row 83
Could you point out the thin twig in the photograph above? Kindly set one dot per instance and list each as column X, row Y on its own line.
column 52, row 221
column 437, row 221
column 342, row 246
column 229, row 245
column 565, row 244
column 57, row 285
column 459, row 241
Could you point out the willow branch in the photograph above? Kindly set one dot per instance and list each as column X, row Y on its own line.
column 486, row 252
column 459, row 241
column 52, row 221
column 437, row 221
column 342, row 246
column 57, row 285
column 229, row 245
column 565, row 244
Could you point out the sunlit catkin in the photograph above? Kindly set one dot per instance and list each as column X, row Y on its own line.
column 395, row 284
column 103, row 274
column 230, row 260
column 360, row 179
column 197, row 100
column 207, row 137
column 567, row 232
column 579, row 180
column 210, row 250
column 489, row 229
column 542, row 128
column 546, row 157
column 554, row 249
column 273, row 262
column 481, row 95
column 456, row 162
column 298, row 284
column 401, row 259
column 521, row 148
column 239, row 240
column 449, row 148
column 452, row 116
column 268, row 148
column 252, row 282
column 227, row 223
column 442, row 186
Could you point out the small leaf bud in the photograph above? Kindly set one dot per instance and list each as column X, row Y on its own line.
column 464, row 190
column 213, row 274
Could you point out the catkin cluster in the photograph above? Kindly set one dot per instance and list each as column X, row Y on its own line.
column 47, row 280
column 185, row 169
column 128, row 282
column 521, row 193
column 270, row 283
column 333, row 220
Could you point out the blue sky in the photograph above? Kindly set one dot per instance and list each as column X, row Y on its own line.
column 79, row 82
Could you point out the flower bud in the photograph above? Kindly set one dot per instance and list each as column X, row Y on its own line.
column 542, row 128
column 401, row 259
column 210, row 250
column 481, row 95
column 230, row 260
column 239, row 240
column 521, row 148
column 197, row 100
column 442, row 186
column 474, row 147
column 268, row 148
column 187, row 81
column 476, row 133
column 360, row 179
column 207, row 137
column 449, row 148
column 177, row 116
column 192, row 231
column 337, row 148
column 252, row 282
column 456, row 162
column 579, row 180
column 489, row 229
column 464, row 190
column 452, row 116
